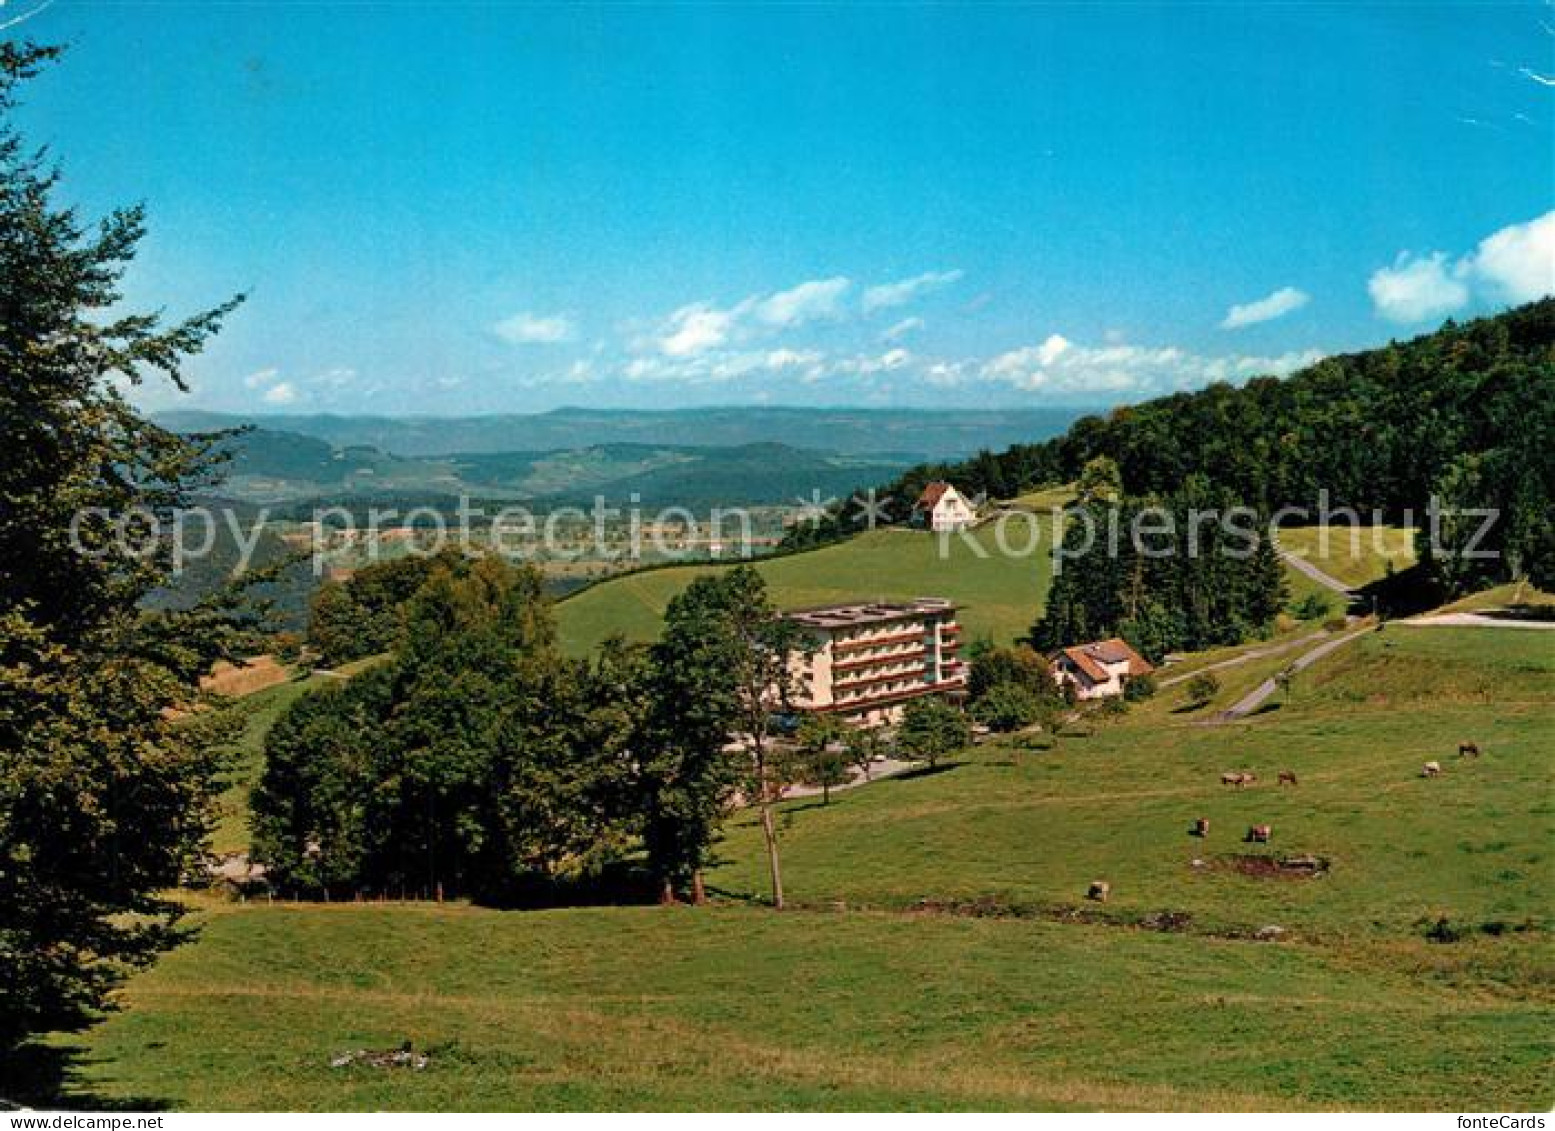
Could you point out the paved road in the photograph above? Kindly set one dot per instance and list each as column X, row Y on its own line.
column 1244, row 657
column 1316, row 574
column 1474, row 620
column 1260, row 694
column 888, row 768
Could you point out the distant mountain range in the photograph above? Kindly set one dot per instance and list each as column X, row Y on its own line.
column 900, row 435
column 282, row 467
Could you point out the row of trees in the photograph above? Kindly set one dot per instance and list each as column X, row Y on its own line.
column 478, row 759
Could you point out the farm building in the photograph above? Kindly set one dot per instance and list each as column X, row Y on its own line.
column 1099, row 669
column 942, row 507
column 868, row 660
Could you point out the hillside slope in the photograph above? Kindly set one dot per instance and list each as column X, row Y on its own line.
column 999, row 594
column 940, row 952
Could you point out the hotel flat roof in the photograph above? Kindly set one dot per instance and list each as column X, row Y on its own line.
column 869, row 612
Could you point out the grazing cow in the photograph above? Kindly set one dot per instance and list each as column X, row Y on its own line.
column 1258, row 834
column 1468, row 750
column 1099, row 891
column 1238, row 780
column 1200, row 827
column 1431, row 769
column 1287, row 777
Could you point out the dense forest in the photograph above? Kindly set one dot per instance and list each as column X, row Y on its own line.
column 1164, row 586
column 1466, row 413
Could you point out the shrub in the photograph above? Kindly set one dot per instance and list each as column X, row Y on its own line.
column 1440, row 929
column 1112, row 708
column 1314, row 606
column 1140, row 688
column 1336, row 624
column 1202, row 688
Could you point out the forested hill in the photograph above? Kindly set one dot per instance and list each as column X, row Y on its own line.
column 1467, row 412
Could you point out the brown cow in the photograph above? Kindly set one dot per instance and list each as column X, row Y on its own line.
column 1099, row 891
column 1468, row 750
column 1200, row 827
column 1288, row 777
column 1258, row 834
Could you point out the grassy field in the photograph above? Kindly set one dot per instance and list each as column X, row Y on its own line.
column 244, row 756
column 1000, row 594
column 941, row 953
column 1354, row 557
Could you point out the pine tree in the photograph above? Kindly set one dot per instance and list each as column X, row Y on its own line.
column 104, row 795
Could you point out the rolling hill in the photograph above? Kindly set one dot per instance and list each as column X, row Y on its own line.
column 940, row 953
column 901, row 435
column 276, row 466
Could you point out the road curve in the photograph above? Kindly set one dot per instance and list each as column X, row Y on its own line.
column 1260, row 694
column 1316, row 574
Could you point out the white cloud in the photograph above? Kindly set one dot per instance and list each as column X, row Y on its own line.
column 695, row 328
column 904, row 291
column 1517, row 264
column 791, row 359
column 282, row 393
column 1067, row 370
column 816, row 299
column 1266, row 309
column 887, row 362
column 261, row 378
column 525, row 328
column 703, row 326
column 901, row 329
column 721, row 366
column 1417, row 288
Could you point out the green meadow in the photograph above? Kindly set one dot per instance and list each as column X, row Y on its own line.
column 940, row 952
column 999, row 593
column 1353, row 556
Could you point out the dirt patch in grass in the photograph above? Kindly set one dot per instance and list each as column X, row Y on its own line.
column 252, row 675
column 1272, row 867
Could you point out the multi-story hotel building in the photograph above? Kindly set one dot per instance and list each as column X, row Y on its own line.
column 867, row 661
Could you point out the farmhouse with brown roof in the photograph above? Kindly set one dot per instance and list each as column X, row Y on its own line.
column 1099, row 669
column 942, row 507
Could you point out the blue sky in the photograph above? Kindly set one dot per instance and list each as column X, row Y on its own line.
column 463, row 208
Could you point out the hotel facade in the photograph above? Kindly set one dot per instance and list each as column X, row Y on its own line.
column 868, row 661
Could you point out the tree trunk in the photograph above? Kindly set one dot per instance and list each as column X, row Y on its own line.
column 825, row 793
column 768, row 831
column 667, row 894
column 698, row 889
